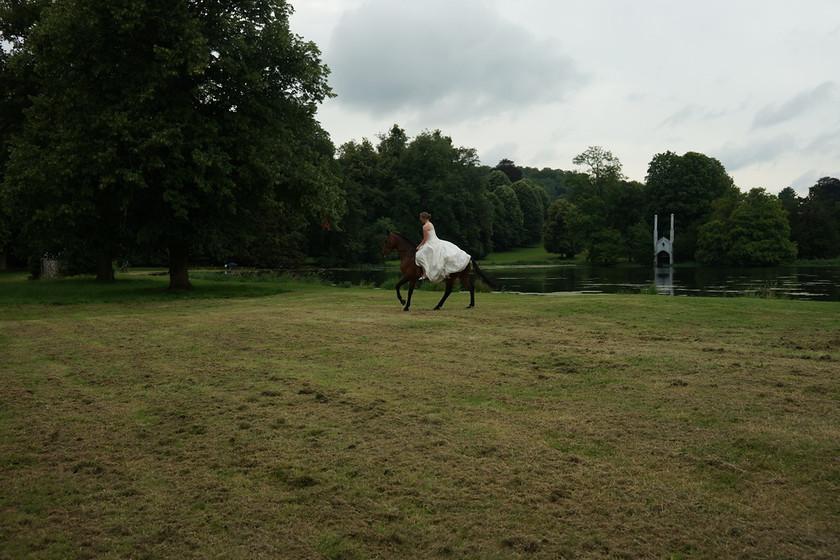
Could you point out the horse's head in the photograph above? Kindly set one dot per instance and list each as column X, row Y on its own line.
column 389, row 245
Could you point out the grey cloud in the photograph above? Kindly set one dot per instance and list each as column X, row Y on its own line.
column 686, row 113
column 737, row 157
column 797, row 105
column 826, row 143
column 691, row 112
column 458, row 59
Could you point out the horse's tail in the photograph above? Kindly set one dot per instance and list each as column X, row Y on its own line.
column 489, row 281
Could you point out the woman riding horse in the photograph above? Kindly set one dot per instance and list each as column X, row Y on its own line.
column 411, row 272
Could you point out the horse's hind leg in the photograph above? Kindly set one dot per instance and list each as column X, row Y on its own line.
column 445, row 294
column 472, row 291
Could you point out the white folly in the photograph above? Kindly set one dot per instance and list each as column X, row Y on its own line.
column 663, row 247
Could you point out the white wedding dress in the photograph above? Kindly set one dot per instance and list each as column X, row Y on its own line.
column 440, row 258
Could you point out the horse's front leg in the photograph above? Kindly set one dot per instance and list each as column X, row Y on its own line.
column 449, row 282
column 410, row 291
column 399, row 295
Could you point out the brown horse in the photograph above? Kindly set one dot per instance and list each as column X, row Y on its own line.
column 411, row 272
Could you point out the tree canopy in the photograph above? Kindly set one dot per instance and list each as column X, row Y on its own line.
column 685, row 186
column 388, row 185
column 756, row 233
column 173, row 125
column 815, row 219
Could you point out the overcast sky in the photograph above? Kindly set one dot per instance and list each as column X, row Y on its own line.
column 753, row 83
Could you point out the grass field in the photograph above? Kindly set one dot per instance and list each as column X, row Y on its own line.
column 292, row 420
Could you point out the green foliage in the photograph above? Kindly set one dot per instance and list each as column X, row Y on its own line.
column 558, row 233
column 685, row 186
column 639, row 243
column 602, row 165
column 496, row 179
column 172, row 125
column 508, row 219
column 815, row 219
column 510, row 169
column 756, row 233
column 533, row 211
column 388, row 186
column 714, row 244
column 552, row 180
column 606, row 247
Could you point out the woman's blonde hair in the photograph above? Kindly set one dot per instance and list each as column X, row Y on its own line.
column 425, row 215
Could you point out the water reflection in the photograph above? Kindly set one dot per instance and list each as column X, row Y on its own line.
column 664, row 280
column 813, row 283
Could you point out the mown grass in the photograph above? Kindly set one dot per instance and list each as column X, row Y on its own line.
column 522, row 256
column 296, row 420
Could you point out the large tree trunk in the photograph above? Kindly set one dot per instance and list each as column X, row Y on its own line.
column 104, row 267
column 179, row 278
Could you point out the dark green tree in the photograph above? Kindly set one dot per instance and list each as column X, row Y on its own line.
column 819, row 221
column 508, row 219
column 607, row 247
column 174, row 124
column 17, row 87
column 792, row 204
column 533, row 212
column 610, row 206
column 552, row 180
column 510, row 169
column 388, row 187
column 559, row 233
column 601, row 165
column 685, row 186
column 357, row 236
column 757, row 233
column 497, row 178
column 639, row 242
column 449, row 184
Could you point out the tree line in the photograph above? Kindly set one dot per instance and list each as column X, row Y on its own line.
column 186, row 130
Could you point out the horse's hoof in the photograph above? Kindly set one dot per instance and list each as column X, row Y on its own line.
column 437, row 308
column 469, row 307
column 405, row 308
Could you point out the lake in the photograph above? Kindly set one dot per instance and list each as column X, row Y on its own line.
column 803, row 282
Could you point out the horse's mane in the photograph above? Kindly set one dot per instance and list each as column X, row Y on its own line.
column 404, row 238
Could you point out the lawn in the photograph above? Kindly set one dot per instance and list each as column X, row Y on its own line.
column 292, row 420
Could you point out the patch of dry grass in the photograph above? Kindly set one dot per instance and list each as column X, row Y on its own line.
column 328, row 423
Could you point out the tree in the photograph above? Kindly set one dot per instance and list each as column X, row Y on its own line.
column 792, row 205
column 448, row 183
column 389, row 185
column 757, row 233
column 603, row 166
column 496, row 179
column 173, row 124
column 606, row 247
column 552, row 180
column 559, row 232
column 610, row 205
column 357, row 236
column 533, row 211
column 510, row 169
column 821, row 219
column 16, row 89
column 685, row 186
column 508, row 219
